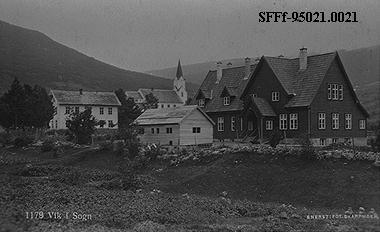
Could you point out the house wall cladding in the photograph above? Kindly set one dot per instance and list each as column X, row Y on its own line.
column 227, row 133
column 196, row 119
column 347, row 105
column 162, row 137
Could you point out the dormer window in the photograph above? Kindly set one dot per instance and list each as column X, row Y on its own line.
column 275, row 96
column 201, row 102
column 226, row 100
column 334, row 92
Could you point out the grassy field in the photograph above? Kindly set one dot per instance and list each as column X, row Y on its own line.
column 80, row 191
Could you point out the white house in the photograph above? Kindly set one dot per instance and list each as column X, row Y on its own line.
column 104, row 107
column 167, row 98
column 184, row 125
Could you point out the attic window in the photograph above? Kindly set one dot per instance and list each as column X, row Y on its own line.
column 226, row 100
column 201, row 102
column 275, row 96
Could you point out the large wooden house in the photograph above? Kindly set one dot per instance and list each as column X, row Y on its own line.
column 308, row 96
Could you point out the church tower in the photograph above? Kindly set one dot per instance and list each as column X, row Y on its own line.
column 179, row 84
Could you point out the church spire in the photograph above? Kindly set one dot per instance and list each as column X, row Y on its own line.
column 179, row 70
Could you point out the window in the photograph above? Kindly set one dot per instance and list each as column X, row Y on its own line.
column 275, row 96
column 293, row 121
column 362, row 123
column 67, row 110
column 322, row 141
column 157, row 130
column 196, row 130
column 162, row 105
column 101, row 110
column 110, row 123
column 181, row 94
column 233, row 123
column 334, row 91
column 152, row 130
column 340, row 93
column 169, row 130
column 76, row 109
column 283, row 122
column 254, row 95
column 269, row 125
column 109, row 110
column 174, row 105
column 220, row 124
column 56, row 124
column 348, row 121
column 334, row 140
column 335, row 121
column 170, row 143
column 321, row 121
column 226, row 100
column 329, row 91
column 201, row 102
column 102, row 123
column 241, row 123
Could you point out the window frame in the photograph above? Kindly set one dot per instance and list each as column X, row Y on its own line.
column 335, row 92
column 110, row 122
column 196, row 130
column 321, row 121
column 329, row 91
column 340, row 92
column 169, row 130
column 110, row 110
column 152, row 130
column 226, row 100
column 233, row 122
column 67, row 110
column 335, row 121
column 293, row 121
column 283, row 121
column 322, row 143
column 220, row 124
column 201, row 102
column 275, row 96
column 268, row 124
column 101, row 110
column 348, row 121
column 362, row 124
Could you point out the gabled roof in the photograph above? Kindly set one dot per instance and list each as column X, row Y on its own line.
column 162, row 116
column 233, row 80
column 229, row 91
column 264, row 108
column 64, row 97
column 162, row 95
column 134, row 94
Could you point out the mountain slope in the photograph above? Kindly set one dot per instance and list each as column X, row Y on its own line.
column 34, row 58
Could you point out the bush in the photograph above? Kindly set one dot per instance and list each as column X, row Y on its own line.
column 5, row 139
column 47, row 145
column 133, row 148
column 22, row 141
column 308, row 151
column 105, row 146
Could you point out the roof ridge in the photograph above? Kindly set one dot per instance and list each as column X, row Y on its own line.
column 294, row 58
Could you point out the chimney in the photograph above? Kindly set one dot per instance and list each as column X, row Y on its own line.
column 247, row 71
column 303, row 59
column 81, row 91
column 218, row 71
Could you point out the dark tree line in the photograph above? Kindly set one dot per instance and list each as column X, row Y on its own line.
column 24, row 106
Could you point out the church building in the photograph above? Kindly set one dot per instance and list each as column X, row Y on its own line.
column 167, row 98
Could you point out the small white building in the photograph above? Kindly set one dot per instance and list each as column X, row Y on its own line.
column 183, row 125
column 104, row 107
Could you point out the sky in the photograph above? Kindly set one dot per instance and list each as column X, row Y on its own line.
column 143, row 35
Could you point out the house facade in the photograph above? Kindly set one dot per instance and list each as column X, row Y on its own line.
column 167, row 98
column 103, row 105
column 183, row 125
column 308, row 96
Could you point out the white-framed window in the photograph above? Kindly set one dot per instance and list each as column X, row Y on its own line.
column 109, row 110
column 275, row 96
column 340, row 92
column 334, row 140
column 322, row 141
column 226, row 100
column 101, row 110
column 110, row 123
column 269, row 125
column 335, row 91
column 196, row 130
column 233, row 119
column 321, row 121
column 201, row 102
column 348, row 121
column 157, row 130
column 335, row 121
column 293, row 121
column 329, row 91
column 169, row 130
column 152, row 130
column 67, row 110
column 362, row 124
column 220, row 123
column 283, row 122
column 241, row 123
column 250, row 125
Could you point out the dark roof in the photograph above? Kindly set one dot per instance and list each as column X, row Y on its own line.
column 263, row 106
column 233, row 80
column 64, row 97
column 133, row 94
column 167, row 115
column 163, row 95
column 179, row 70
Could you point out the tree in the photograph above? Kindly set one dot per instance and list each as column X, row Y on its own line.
column 188, row 101
column 82, row 126
column 6, row 119
column 14, row 101
column 151, row 102
column 128, row 112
